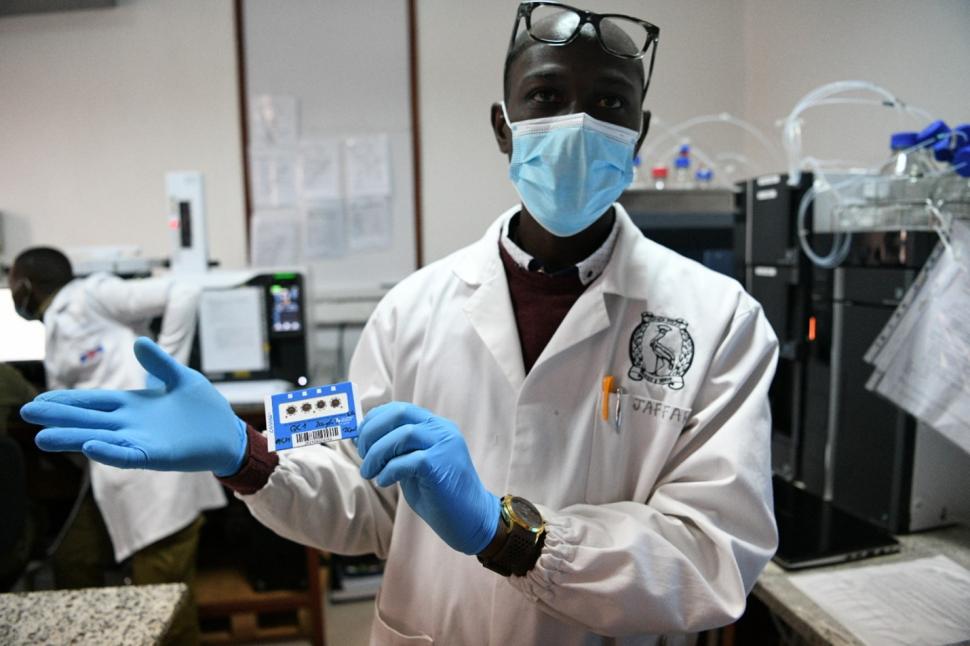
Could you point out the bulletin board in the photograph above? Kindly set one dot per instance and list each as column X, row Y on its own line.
column 330, row 163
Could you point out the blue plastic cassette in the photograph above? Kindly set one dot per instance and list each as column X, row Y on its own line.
column 312, row 416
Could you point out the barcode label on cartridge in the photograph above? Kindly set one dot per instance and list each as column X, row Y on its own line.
column 313, row 437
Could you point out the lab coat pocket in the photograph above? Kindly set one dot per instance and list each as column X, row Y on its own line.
column 382, row 633
column 632, row 435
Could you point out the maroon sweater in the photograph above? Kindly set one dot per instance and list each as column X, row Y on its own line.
column 540, row 303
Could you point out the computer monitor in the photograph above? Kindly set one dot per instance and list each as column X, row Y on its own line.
column 20, row 340
column 254, row 329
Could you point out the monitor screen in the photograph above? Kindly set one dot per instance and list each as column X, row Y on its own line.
column 20, row 340
column 286, row 308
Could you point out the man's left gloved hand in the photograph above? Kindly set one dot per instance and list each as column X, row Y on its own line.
column 428, row 456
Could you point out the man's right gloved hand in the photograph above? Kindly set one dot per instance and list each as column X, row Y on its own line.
column 187, row 426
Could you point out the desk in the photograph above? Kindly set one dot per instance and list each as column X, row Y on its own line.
column 134, row 614
column 813, row 624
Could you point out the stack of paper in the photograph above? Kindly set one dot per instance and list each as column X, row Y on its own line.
column 922, row 357
column 914, row 602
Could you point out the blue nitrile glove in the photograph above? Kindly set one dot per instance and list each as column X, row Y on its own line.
column 152, row 382
column 428, row 456
column 186, row 426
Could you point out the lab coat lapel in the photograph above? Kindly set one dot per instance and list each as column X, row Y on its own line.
column 489, row 308
column 489, row 311
column 590, row 314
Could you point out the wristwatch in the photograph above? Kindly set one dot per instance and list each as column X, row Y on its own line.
column 518, row 540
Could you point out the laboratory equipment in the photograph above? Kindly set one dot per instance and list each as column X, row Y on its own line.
column 187, row 222
column 728, row 166
column 312, row 416
column 813, row 532
column 830, row 435
column 659, row 176
column 703, row 178
column 696, row 224
column 936, row 136
column 778, row 276
column 253, row 327
column 682, row 176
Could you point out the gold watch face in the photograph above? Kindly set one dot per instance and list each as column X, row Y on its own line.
column 523, row 513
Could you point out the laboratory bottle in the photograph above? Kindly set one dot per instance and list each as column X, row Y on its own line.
column 639, row 179
column 682, row 178
column 961, row 161
column 909, row 164
column 937, row 138
column 704, row 178
column 659, row 176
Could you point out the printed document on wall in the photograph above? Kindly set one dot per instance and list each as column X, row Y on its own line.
column 922, row 359
column 369, row 224
column 273, row 177
column 273, row 120
column 276, row 239
column 325, row 232
column 367, row 164
column 232, row 330
column 319, row 170
column 911, row 602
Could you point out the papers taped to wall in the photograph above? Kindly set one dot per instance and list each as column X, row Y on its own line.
column 922, row 356
column 312, row 416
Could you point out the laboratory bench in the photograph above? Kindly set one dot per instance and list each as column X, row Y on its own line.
column 122, row 615
column 813, row 625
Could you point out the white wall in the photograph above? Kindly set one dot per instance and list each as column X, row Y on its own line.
column 917, row 50
column 95, row 107
column 462, row 47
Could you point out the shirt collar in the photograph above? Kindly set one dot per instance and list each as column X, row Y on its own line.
column 588, row 269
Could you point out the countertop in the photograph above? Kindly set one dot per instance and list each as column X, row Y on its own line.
column 122, row 615
column 815, row 625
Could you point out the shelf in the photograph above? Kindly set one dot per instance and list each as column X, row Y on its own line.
column 226, row 593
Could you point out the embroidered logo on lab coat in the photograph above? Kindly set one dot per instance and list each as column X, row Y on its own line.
column 661, row 350
column 92, row 355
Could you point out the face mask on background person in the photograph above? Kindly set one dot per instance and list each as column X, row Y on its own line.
column 21, row 304
column 569, row 169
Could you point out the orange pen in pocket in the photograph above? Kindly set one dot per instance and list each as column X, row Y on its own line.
column 608, row 382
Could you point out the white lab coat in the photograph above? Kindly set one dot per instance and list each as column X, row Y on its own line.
column 659, row 527
column 91, row 326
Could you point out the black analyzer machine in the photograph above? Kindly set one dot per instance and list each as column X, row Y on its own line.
column 850, row 467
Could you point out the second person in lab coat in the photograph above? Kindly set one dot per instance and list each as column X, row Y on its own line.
column 614, row 390
column 90, row 324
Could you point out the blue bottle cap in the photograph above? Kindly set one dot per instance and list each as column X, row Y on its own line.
column 930, row 133
column 684, row 149
column 704, row 174
column 682, row 162
column 637, row 161
column 903, row 140
column 961, row 161
column 961, row 136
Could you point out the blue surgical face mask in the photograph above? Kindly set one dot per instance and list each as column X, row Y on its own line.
column 569, row 169
column 21, row 306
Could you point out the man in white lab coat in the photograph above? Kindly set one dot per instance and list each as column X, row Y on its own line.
column 90, row 325
column 616, row 391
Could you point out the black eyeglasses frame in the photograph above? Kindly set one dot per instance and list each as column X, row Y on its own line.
column 653, row 32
